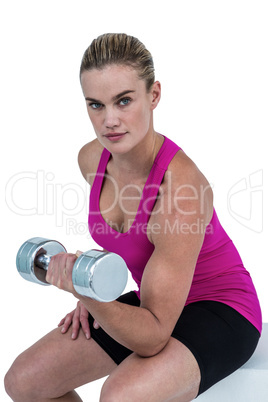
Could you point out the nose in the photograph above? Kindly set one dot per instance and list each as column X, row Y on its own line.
column 111, row 118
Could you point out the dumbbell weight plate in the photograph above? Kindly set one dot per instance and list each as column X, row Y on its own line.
column 27, row 253
column 100, row 275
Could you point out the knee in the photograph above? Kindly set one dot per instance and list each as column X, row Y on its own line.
column 8, row 382
column 18, row 383
column 114, row 391
column 11, row 384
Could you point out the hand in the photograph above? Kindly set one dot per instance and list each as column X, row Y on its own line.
column 59, row 271
column 78, row 318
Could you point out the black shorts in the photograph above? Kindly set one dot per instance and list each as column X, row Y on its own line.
column 219, row 337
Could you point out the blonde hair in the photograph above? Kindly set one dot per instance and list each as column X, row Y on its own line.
column 119, row 49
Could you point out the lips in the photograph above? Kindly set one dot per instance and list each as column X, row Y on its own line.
column 114, row 136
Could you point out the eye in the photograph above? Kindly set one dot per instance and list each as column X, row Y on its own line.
column 95, row 105
column 124, row 101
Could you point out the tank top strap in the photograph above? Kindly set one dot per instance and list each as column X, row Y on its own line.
column 105, row 156
column 98, row 180
column 166, row 153
column 151, row 189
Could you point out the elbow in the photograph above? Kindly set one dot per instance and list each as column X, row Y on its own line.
column 152, row 349
column 153, row 340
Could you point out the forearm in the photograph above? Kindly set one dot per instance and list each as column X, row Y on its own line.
column 134, row 327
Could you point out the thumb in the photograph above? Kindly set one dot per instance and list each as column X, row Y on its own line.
column 78, row 253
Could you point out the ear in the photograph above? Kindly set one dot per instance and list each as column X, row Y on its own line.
column 155, row 94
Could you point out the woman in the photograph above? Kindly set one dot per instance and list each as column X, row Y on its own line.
column 195, row 317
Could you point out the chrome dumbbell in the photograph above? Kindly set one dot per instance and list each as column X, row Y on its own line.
column 100, row 275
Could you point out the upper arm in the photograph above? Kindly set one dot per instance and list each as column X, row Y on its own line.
column 177, row 232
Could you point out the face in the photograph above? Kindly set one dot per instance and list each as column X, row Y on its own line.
column 119, row 106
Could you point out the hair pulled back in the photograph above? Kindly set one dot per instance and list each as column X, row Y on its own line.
column 119, row 49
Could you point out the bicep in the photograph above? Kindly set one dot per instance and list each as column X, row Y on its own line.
column 165, row 286
column 168, row 275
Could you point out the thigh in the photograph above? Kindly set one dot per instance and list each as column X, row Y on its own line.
column 56, row 364
column 209, row 342
column 114, row 349
column 171, row 374
column 219, row 337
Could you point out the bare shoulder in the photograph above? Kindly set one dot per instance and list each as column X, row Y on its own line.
column 88, row 159
column 184, row 171
column 191, row 187
column 185, row 197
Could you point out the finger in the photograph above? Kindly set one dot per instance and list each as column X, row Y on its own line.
column 78, row 253
column 49, row 272
column 62, row 321
column 66, row 277
column 60, row 271
column 67, row 323
column 76, row 323
column 96, row 325
column 53, row 270
column 84, row 323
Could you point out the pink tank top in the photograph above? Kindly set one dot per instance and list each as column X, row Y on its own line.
column 219, row 272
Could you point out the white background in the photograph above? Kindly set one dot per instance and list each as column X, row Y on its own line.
column 211, row 58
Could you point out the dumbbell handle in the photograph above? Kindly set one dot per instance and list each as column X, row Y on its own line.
column 42, row 261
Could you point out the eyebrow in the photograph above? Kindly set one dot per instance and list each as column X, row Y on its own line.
column 114, row 98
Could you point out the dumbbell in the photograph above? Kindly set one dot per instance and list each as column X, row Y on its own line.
column 100, row 275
